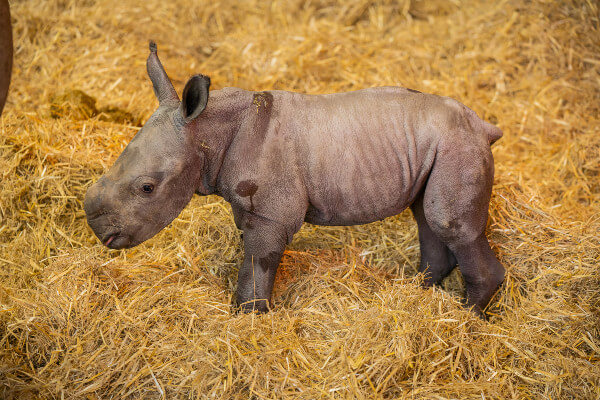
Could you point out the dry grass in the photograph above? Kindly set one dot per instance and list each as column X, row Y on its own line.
column 80, row 322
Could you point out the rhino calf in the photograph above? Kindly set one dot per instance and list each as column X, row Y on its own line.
column 282, row 158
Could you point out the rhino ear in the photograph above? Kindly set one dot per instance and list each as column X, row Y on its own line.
column 195, row 96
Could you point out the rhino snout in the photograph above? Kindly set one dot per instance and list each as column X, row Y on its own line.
column 100, row 219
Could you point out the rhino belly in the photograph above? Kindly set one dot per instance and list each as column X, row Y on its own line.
column 347, row 215
column 352, row 194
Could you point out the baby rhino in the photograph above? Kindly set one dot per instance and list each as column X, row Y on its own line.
column 282, row 158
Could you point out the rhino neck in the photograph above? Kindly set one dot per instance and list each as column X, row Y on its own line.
column 215, row 129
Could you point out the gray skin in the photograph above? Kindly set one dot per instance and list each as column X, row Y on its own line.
column 282, row 158
column 6, row 51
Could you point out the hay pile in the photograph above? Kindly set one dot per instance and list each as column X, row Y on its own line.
column 80, row 322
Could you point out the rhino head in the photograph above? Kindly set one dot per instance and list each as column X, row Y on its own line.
column 159, row 170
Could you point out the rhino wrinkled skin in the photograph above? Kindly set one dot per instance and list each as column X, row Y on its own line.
column 6, row 51
column 282, row 158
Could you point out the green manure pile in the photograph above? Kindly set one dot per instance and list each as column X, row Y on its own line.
column 79, row 321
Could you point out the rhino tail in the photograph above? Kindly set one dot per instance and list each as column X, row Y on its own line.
column 492, row 132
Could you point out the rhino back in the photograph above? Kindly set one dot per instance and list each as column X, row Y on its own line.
column 364, row 155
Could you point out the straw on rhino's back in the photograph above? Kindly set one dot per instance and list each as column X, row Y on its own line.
column 363, row 155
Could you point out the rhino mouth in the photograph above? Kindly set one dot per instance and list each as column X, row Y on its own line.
column 110, row 240
column 112, row 237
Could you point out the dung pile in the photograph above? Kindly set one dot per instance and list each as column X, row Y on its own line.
column 78, row 105
column 80, row 322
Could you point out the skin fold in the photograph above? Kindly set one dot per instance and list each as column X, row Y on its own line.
column 6, row 51
column 282, row 158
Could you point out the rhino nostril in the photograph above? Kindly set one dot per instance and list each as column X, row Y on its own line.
column 95, row 215
column 93, row 202
column 92, row 211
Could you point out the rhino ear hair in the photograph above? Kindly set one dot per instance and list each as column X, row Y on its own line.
column 195, row 96
column 163, row 88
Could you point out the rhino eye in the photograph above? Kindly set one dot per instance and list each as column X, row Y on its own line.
column 147, row 188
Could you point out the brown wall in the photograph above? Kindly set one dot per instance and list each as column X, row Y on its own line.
column 6, row 51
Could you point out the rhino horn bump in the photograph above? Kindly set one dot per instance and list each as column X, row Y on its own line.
column 163, row 88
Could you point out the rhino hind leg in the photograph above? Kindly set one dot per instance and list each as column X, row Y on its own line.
column 455, row 206
column 437, row 261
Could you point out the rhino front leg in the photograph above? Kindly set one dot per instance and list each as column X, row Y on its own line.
column 264, row 243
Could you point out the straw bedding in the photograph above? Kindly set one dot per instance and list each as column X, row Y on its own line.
column 78, row 321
